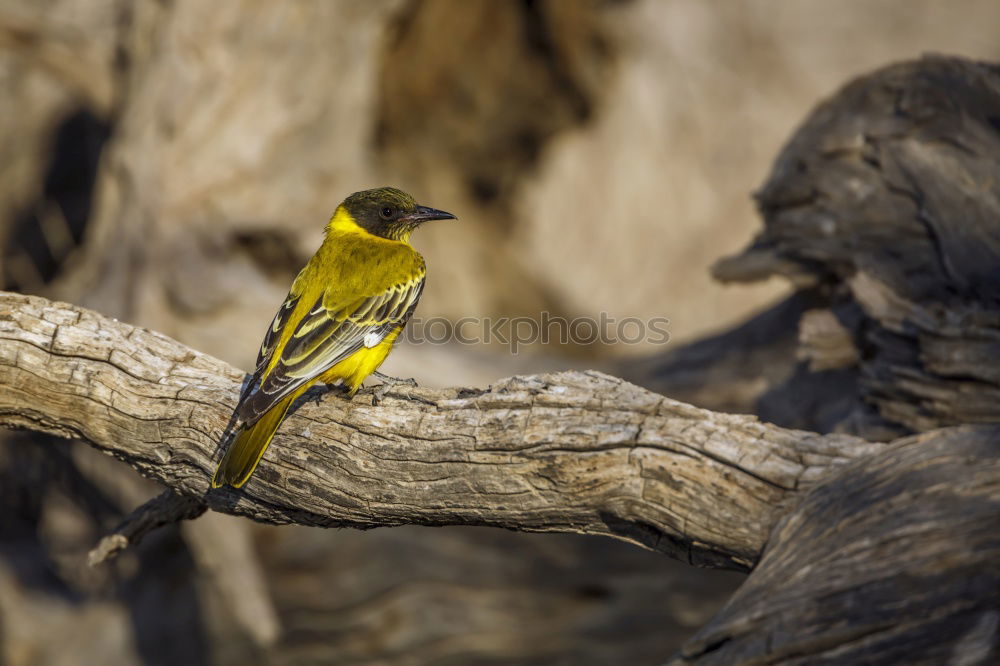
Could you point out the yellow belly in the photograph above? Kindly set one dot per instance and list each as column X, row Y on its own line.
column 354, row 369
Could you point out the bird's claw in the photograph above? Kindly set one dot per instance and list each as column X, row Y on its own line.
column 388, row 383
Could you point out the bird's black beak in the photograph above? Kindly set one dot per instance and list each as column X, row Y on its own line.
column 424, row 214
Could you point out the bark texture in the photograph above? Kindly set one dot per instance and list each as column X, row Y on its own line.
column 889, row 197
column 568, row 452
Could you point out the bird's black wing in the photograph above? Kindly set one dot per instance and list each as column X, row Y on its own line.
column 273, row 335
column 331, row 331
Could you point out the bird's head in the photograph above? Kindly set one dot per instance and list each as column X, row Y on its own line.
column 388, row 212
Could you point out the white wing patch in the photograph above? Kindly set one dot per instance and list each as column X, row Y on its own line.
column 373, row 338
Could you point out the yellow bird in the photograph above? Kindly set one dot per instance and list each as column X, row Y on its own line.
column 339, row 321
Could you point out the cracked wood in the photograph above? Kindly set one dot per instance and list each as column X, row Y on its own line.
column 575, row 452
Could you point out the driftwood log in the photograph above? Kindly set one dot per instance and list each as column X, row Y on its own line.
column 572, row 452
column 884, row 208
column 829, row 523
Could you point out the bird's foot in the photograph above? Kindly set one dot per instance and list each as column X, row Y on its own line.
column 388, row 383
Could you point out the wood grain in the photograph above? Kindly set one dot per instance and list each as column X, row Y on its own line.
column 578, row 452
column 888, row 198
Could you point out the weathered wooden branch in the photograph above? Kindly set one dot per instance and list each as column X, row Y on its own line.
column 569, row 452
column 164, row 509
column 884, row 209
column 888, row 197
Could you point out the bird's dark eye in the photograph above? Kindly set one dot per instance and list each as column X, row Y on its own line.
column 386, row 212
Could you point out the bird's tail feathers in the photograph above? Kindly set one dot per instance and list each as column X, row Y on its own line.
column 249, row 444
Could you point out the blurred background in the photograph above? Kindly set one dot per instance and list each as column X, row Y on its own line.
column 172, row 163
